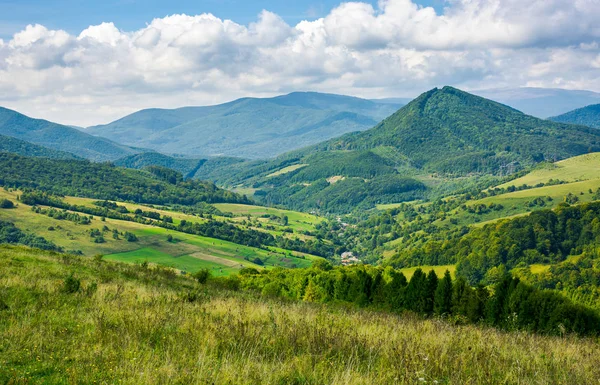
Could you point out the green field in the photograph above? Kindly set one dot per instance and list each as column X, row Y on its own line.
column 297, row 220
column 287, row 169
column 184, row 263
column 186, row 252
column 579, row 168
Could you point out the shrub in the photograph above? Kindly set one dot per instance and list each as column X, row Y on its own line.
column 202, row 276
column 71, row 284
column 130, row 237
column 6, row 204
column 258, row 261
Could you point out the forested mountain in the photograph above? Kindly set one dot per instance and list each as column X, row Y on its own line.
column 186, row 166
column 443, row 133
column 59, row 137
column 248, row 127
column 21, row 147
column 586, row 116
column 541, row 102
column 158, row 185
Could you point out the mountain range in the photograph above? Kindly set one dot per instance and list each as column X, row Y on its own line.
column 249, row 127
column 58, row 137
column 442, row 136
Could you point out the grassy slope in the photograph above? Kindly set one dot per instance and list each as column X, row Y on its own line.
column 297, row 220
column 139, row 328
column 582, row 174
column 579, row 168
column 187, row 252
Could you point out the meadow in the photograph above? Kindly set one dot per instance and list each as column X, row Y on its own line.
column 130, row 324
column 185, row 252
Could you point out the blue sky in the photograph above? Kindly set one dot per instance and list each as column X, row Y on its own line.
column 128, row 15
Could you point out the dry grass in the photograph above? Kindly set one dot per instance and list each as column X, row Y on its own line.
column 139, row 328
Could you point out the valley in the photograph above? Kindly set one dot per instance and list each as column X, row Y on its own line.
column 455, row 213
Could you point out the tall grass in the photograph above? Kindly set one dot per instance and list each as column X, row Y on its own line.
column 138, row 325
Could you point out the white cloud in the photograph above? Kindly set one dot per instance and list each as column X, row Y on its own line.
column 396, row 48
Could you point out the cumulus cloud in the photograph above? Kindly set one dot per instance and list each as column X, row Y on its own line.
column 396, row 48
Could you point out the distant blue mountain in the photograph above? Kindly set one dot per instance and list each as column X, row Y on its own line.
column 541, row 102
column 57, row 137
column 248, row 127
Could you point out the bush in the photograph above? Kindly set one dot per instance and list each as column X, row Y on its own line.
column 6, row 204
column 130, row 237
column 202, row 276
column 258, row 261
column 71, row 284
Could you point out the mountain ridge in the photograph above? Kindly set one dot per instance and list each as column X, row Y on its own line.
column 246, row 127
column 587, row 116
column 59, row 137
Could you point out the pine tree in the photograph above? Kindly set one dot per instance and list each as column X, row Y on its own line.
column 443, row 296
column 432, row 284
column 395, row 289
column 416, row 292
column 378, row 289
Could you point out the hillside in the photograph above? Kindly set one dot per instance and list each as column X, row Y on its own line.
column 70, row 319
column 249, row 127
column 105, row 181
column 187, row 167
column 59, row 137
column 586, row 116
column 21, row 147
column 541, row 102
column 167, row 236
column 440, row 137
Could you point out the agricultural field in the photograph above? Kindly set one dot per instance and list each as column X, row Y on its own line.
column 296, row 220
column 287, row 169
column 157, row 245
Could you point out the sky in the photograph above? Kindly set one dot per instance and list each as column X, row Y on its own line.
column 91, row 62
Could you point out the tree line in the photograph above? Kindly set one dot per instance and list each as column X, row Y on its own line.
column 510, row 304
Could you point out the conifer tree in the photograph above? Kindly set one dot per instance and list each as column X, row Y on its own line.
column 432, row 284
column 443, row 295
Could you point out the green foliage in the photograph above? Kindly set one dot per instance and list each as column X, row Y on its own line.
column 71, row 285
column 586, row 116
column 104, row 181
column 542, row 237
column 21, row 147
column 149, row 326
column 512, row 303
column 202, row 276
column 444, row 132
column 130, row 237
column 6, row 204
column 9, row 233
